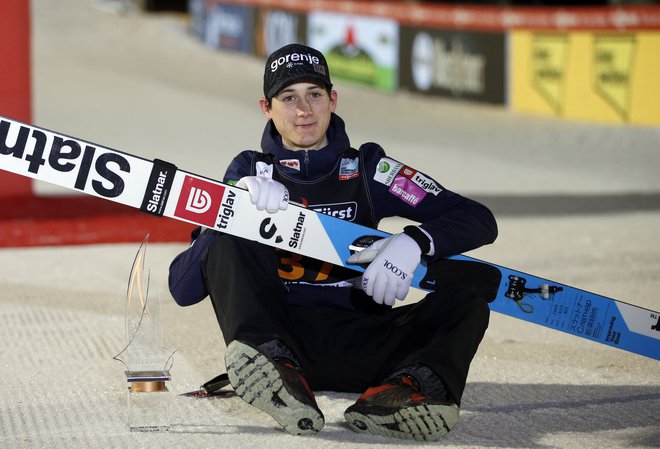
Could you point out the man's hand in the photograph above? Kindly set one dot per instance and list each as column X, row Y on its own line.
column 393, row 261
column 265, row 193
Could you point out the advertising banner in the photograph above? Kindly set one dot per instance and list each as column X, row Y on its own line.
column 604, row 76
column 197, row 12
column 358, row 48
column 230, row 27
column 462, row 64
column 276, row 28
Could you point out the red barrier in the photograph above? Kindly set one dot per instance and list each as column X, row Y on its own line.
column 81, row 220
column 15, row 80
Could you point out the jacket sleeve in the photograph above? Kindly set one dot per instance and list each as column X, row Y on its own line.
column 186, row 279
column 455, row 223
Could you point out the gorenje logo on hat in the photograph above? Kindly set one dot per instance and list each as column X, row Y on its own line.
column 294, row 62
column 298, row 59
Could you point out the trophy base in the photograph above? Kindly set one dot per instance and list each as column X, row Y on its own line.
column 148, row 401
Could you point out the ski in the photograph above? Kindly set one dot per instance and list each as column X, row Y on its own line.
column 160, row 188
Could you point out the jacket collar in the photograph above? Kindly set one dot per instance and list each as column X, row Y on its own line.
column 312, row 163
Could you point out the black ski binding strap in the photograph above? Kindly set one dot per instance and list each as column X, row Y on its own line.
column 213, row 388
column 158, row 188
column 481, row 279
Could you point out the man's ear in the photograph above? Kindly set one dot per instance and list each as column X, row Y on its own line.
column 333, row 100
column 263, row 104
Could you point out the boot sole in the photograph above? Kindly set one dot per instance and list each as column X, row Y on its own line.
column 426, row 422
column 257, row 381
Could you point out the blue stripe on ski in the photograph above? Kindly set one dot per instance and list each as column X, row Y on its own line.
column 577, row 312
column 570, row 310
column 344, row 233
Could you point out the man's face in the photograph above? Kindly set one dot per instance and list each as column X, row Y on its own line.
column 301, row 113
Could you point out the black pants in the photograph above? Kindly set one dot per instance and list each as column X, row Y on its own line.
column 342, row 349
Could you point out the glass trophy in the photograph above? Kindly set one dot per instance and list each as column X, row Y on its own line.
column 146, row 360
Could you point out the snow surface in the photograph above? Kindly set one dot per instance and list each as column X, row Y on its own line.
column 141, row 83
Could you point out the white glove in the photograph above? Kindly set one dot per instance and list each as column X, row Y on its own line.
column 266, row 193
column 393, row 261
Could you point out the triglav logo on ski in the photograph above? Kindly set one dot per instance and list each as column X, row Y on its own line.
column 200, row 202
column 226, row 210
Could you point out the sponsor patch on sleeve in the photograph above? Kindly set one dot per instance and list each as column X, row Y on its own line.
column 386, row 170
column 407, row 190
column 405, row 182
column 427, row 184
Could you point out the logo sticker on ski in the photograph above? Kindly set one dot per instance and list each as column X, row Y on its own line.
column 200, row 201
column 267, row 230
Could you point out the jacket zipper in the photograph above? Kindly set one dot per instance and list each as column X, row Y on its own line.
column 306, row 161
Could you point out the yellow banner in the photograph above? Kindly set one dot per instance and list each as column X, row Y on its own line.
column 609, row 77
column 548, row 66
